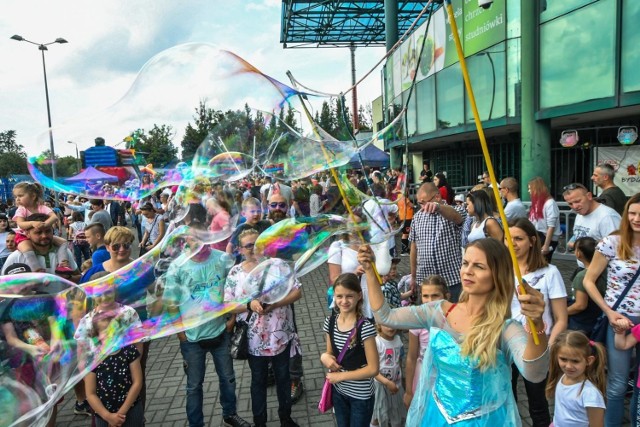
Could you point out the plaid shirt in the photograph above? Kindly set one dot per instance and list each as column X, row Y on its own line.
column 438, row 245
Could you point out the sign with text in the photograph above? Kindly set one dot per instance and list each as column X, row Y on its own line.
column 626, row 162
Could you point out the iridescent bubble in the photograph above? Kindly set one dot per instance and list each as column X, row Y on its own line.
column 271, row 280
column 158, row 106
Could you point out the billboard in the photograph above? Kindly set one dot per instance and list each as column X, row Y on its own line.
column 478, row 29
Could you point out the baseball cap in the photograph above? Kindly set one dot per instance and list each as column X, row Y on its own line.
column 459, row 197
column 17, row 268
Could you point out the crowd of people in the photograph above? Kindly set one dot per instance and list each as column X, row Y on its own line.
column 473, row 329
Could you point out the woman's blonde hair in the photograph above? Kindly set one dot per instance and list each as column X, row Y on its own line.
column 118, row 234
column 625, row 249
column 481, row 342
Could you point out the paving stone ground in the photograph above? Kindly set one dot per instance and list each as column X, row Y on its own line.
column 166, row 380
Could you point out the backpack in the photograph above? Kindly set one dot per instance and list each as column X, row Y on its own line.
column 80, row 239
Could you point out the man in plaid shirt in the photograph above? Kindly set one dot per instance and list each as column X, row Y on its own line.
column 435, row 239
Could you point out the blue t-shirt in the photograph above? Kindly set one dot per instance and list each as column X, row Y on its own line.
column 196, row 287
column 99, row 256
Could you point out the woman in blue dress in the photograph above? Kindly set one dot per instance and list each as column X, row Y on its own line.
column 466, row 377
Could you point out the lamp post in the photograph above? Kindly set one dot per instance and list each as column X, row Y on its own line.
column 77, row 156
column 42, row 47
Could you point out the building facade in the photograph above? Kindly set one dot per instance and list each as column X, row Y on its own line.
column 540, row 69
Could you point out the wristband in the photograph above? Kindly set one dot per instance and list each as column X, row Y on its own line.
column 539, row 331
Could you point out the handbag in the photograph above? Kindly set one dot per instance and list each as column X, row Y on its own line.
column 239, row 347
column 326, row 400
column 600, row 328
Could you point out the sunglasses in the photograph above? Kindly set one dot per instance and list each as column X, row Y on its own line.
column 573, row 186
column 281, row 205
column 249, row 246
column 117, row 246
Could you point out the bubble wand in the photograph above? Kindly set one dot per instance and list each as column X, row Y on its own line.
column 334, row 174
column 487, row 158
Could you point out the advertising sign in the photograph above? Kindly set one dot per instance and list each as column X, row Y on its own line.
column 478, row 28
column 626, row 162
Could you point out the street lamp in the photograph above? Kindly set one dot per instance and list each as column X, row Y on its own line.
column 77, row 155
column 42, row 47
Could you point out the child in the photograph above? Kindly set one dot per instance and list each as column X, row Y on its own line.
column 113, row 387
column 252, row 212
column 407, row 295
column 4, row 232
column 433, row 288
column 577, row 380
column 626, row 342
column 352, row 379
column 29, row 198
column 388, row 408
column 390, row 287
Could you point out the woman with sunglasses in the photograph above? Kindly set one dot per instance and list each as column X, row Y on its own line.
column 270, row 334
column 545, row 216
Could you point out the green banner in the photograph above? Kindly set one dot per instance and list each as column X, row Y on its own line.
column 483, row 27
column 450, row 54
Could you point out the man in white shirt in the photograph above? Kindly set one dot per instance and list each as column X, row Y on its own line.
column 594, row 219
column 42, row 241
column 509, row 191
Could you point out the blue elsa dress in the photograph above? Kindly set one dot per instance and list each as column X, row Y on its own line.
column 452, row 390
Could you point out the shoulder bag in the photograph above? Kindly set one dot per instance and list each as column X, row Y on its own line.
column 326, row 400
column 599, row 331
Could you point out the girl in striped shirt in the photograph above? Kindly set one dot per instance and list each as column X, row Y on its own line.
column 352, row 379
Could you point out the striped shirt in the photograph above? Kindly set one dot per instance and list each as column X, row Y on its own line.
column 357, row 389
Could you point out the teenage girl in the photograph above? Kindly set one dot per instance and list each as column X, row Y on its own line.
column 433, row 288
column 352, row 379
column 113, row 387
column 577, row 380
column 388, row 409
column 29, row 198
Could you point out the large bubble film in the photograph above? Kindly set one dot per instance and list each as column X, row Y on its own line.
column 259, row 127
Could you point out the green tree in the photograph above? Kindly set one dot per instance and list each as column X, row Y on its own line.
column 204, row 120
column 343, row 119
column 12, row 163
column 365, row 118
column 157, row 147
column 65, row 166
column 326, row 121
column 8, row 143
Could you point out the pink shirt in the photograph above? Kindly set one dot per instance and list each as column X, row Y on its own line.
column 23, row 212
column 636, row 334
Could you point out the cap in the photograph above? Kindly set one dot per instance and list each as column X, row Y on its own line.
column 459, row 197
column 17, row 268
column 147, row 207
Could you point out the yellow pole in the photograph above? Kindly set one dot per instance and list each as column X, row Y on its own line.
column 487, row 158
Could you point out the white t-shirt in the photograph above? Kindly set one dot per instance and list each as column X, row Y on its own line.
column 550, row 218
column 389, row 353
column 571, row 404
column 19, row 257
column 601, row 222
column 341, row 254
column 381, row 227
column 515, row 209
column 548, row 281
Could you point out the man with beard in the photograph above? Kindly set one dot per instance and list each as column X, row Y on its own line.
column 278, row 208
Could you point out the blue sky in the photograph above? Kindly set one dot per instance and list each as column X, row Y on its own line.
column 109, row 42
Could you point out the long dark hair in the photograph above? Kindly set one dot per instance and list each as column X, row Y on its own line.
column 482, row 206
column 442, row 182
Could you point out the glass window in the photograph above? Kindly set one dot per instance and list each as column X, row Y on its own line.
column 577, row 56
column 486, row 71
column 550, row 9
column 449, row 96
column 426, row 105
column 630, row 62
column 513, row 18
column 411, row 112
column 513, row 78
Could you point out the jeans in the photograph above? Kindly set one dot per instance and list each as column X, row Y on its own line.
column 618, row 366
column 80, row 251
column 350, row 412
column 259, row 366
column 538, row 404
column 194, row 366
